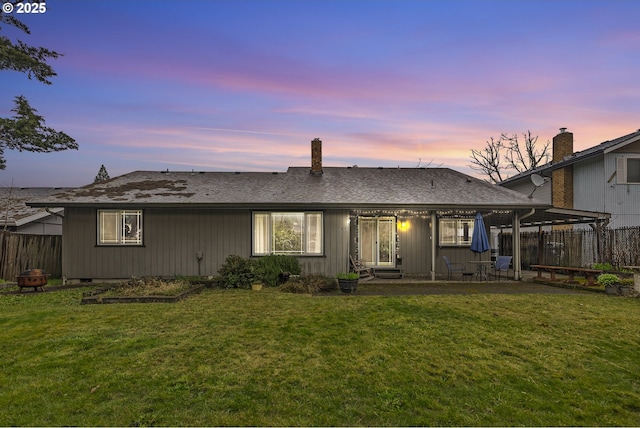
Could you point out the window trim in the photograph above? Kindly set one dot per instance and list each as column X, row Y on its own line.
column 622, row 168
column 269, row 241
column 120, row 240
column 459, row 223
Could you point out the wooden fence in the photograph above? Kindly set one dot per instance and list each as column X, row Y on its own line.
column 19, row 252
column 580, row 248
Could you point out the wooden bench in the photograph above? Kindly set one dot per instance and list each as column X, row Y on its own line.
column 589, row 274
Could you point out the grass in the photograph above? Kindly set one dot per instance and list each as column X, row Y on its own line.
column 237, row 357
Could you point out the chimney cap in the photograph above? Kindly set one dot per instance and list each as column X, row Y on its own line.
column 563, row 130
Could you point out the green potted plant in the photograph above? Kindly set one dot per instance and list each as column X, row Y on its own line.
column 348, row 282
column 612, row 284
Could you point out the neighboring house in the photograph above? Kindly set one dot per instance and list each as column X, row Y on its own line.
column 604, row 178
column 16, row 216
column 187, row 223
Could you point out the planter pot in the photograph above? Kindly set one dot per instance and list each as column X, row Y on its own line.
column 257, row 286
column 612, row 290
column 348, row 285
column 619, row 290
column 627, row 290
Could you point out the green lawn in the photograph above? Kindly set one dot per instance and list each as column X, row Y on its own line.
column 240, row 357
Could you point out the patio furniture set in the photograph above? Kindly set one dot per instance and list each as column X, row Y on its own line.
column 481, row 269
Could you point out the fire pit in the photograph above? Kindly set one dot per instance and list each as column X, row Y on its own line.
column 36, row 278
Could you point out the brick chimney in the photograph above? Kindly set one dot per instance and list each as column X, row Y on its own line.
column 562, row 179
column 316, row 156
column 562, row 145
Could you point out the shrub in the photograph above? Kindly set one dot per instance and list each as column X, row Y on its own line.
column 608, row 279
column 236, row 272
column 269, row 268
column 309, row 284
column 627, row 281
column 349, row 276
column 602, row 266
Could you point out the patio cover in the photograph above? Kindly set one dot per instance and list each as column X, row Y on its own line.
column 548, row 217
column 515, row 220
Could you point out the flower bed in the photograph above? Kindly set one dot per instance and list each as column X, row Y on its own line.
column 144, row 290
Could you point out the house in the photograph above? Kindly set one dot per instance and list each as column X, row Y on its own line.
column 187, row 223
column 604, row 178
column 17, row 217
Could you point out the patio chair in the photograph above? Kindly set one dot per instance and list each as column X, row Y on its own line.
column 502, row 265
column 360, row 267
column 453, row 267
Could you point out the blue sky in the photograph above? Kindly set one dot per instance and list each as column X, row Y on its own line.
column 246, row 85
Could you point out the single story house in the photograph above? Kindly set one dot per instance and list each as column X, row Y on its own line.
column 187, row 223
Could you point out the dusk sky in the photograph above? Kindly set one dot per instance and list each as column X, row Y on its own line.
column 244, row 85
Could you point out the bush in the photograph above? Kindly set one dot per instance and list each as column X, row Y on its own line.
column 608, row 279
column 627, row 281
column 269, row 268
column 349, row 276
column 237, row 272
column 602, row 266
column 309, row 284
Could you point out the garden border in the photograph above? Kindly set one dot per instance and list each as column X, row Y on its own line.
column 95, row 297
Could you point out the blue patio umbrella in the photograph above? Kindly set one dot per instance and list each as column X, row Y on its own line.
column 479, row 239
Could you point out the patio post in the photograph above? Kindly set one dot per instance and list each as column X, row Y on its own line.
column 515, row 243
column 433, row 245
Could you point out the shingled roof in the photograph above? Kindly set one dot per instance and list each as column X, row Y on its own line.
column 605, row 147
column 15, row 211
column 351, row 187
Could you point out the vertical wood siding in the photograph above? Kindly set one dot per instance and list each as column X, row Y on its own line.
column 621, row 200
column 589, row 184
column 415, row 247
column 173, row 237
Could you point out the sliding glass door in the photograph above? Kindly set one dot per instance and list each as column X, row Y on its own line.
column 376, row 243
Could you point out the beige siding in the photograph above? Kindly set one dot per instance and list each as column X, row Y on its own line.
column 173, row 237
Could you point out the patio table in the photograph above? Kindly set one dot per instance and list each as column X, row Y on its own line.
column 481, row 268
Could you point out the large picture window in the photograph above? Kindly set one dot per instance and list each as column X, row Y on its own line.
column 120, row 227
column 287, row 233
column 456, row 232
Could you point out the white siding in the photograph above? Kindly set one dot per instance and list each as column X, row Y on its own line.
column 621, row 200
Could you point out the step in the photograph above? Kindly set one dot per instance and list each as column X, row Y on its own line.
column 392, row 273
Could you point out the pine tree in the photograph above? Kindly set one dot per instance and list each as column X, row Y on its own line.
column 26, row 130
column 103, row 175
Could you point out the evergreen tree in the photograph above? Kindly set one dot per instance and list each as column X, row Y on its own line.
column 103, row 175
column 26, row 130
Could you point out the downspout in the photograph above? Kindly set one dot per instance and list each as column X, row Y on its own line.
column 515, row 239
column 60, row 216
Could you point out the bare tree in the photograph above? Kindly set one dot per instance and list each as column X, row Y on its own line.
column 507, row 155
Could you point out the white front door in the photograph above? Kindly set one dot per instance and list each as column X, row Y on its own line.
column 376, row 240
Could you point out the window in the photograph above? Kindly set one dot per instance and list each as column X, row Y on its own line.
column 119, row 227
column 287, row 233
column 628, row 170
column 456, row 231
